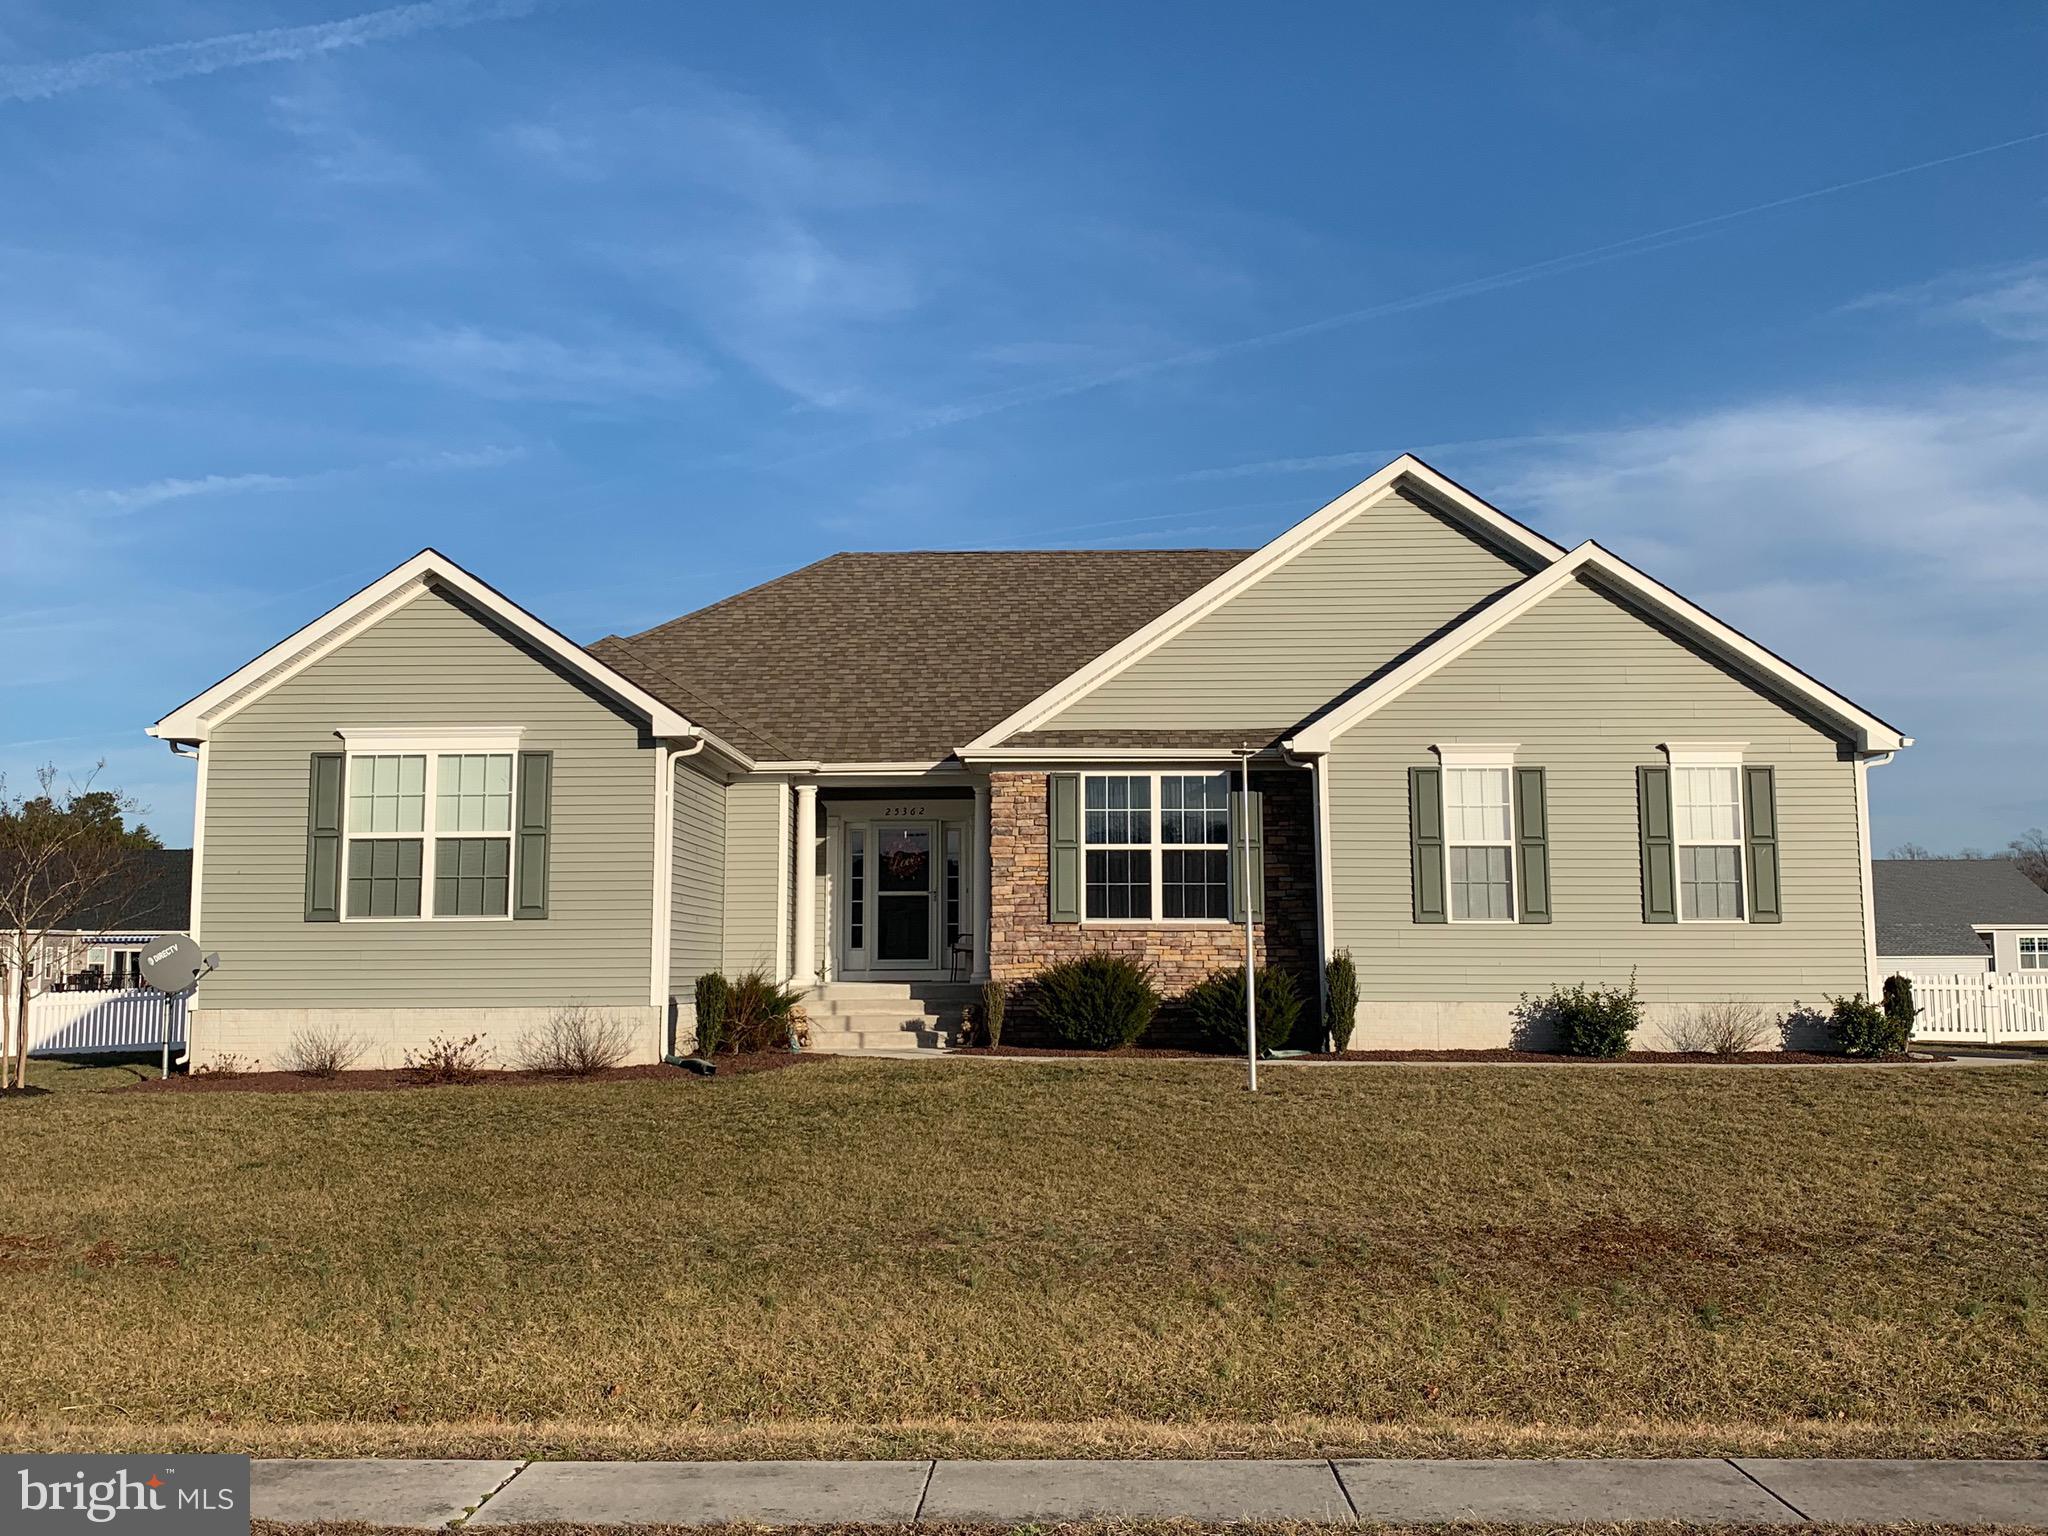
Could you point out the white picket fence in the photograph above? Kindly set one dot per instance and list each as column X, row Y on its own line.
column 1980, row 1006
column 89, row 1023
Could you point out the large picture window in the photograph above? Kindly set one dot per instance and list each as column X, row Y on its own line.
column 1706, row 811
column 403, row 842
column 1157, row 846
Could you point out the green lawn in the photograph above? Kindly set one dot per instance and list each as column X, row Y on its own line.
column 1041, row 1258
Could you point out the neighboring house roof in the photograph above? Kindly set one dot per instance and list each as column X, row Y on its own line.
column 155, row 898
column 902, row 657
column 1927, row 906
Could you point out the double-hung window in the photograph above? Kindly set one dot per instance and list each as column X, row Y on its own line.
column 1479, row 849
column 2034, row 952
column 429, row 831
column 1706, row 817
column 1156, row 846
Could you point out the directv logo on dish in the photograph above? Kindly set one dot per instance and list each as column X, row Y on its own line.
column 165, row 1496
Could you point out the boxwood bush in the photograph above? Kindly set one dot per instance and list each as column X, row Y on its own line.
column 1861, row 1028
column 1098, row 1002
column 1582, row 1021
column 1215, row 1008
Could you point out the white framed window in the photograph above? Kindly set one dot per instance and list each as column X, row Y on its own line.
column 428, row 829
column 1479, row 832
column 2034, row 951
column 1156, row 847
column 1706, row 832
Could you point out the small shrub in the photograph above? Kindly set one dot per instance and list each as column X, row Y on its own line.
column 227, row 1064
column 1215, row 1008
column 1719, row 1029
column 714, row 999
column 760, row 1015
column 445, row 1059
column 1582, row 1021
column 1097, row 1002
column 1861, row 1028
column 994, row 998
column 323, row 1050
column 577, row 1041
column 1899, row 1005
column 1340, row 980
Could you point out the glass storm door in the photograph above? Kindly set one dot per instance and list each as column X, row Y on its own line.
column 903, row 895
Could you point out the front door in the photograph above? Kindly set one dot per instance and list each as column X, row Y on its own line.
column 905, row 895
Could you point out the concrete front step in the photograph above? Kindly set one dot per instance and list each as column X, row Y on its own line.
column 886, row 1015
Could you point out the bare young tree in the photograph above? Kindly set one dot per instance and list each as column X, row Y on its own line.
column 67, row 859
column 2030, row 851
column 1910, row 851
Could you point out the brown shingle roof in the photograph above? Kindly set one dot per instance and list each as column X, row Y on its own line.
column 886, row 657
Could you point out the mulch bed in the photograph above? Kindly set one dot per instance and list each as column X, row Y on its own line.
column 379, row 1080
column 1674, row 1058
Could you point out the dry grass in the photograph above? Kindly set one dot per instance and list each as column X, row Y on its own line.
column 1067, row 1258
column 1174, row 1528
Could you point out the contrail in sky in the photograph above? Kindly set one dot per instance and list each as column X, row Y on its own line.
column 238, row 50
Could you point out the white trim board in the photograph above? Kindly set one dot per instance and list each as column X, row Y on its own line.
column 192, row 720
column 1405, row 473
column 1871, row 734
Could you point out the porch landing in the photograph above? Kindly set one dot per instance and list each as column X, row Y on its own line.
column 853, row 1016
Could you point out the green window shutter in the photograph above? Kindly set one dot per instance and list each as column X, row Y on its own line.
column 1063, row 847
column 1240, row 820
column 1532, row 845
column 324, row 806
column 1426, row 842
column 1653, row 821
column 536, row 790
column 1760, row 832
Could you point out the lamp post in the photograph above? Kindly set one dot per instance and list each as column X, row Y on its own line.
column 1251, row 975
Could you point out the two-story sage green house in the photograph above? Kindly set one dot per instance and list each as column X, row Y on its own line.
column 1480, row 762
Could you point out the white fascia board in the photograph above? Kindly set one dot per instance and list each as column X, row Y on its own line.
column 1404, row 473
column 192, row 720
column 1871, row 733
column 820, row 769
column 1024, row 755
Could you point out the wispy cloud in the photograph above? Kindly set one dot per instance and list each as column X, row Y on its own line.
column 2010, row 302
column 524, row 365
column 1894, row 547
column 239, row 50
column 137, row 498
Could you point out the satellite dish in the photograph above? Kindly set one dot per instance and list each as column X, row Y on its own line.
column 175, row 964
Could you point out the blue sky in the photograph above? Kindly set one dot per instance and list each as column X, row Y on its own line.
column 628, row 306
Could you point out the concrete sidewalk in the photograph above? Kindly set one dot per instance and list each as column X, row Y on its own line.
column 1701, row 1491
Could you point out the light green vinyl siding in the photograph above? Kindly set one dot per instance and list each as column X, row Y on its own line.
column 424, row 665
column 1283, row 648
column 757, row 887
column 697, row 881
column 1589, row 690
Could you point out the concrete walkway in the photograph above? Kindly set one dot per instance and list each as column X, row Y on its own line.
column 1701, row 1491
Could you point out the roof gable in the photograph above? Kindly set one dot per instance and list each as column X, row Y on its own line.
column 1590, row 562
column 193, row 720
column 1406, row 475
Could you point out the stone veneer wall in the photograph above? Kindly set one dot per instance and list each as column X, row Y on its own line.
column 1023, row 942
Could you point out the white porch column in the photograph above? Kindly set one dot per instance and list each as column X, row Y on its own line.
column 983, row 875
column 804, row 961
